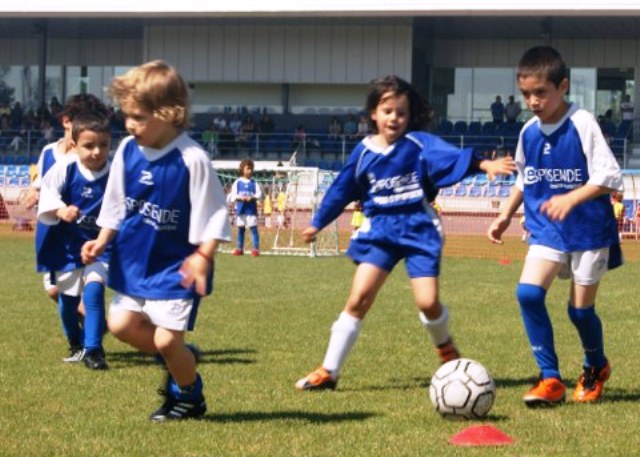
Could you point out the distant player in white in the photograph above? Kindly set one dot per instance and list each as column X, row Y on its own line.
column 566, row 172
column 394, row 173
column 70, row 199
column 245, row 195
column 164, row 213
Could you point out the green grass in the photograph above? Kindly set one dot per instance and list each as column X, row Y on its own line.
column 266, row 325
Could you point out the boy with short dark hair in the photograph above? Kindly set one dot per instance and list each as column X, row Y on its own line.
column 70, row 199
column 566, row 172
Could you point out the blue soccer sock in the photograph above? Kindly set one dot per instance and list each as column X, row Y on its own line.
column 94, row 320
column 187, row 393
column 589, row 328
column 68, row 310
column 241, row 238
column 539, row 330
column 255, row 236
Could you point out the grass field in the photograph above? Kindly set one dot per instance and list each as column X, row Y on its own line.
column 266, row 325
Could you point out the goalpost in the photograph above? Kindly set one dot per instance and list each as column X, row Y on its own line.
column 291, row 195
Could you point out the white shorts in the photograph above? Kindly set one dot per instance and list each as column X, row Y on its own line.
column 46, row 281
column 174, row 314
column 71, row 282
column 246, row 220
column 584, row 267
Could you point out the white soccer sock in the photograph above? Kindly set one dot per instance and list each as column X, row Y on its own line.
column 438, row 328
column 344, row 333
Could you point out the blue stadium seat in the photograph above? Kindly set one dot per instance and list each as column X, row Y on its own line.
column 475, row 128
column 490, row 191
column 460, row 128
column 336, row 165
column 446, row 192
column 445, row 127
column 475, row 191
column 310, row 163
column 481, row 179
column 461, row 190
column 468, row 180
column 504, row 191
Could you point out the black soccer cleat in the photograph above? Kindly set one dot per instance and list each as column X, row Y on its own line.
column 174, row 409
column 95, row 360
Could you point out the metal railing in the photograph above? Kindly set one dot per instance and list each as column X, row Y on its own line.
column 313, row 149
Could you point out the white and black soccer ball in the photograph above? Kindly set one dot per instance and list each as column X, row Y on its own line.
column 462, row 389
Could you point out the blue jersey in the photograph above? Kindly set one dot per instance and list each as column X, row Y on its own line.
column 397, row 179
column 556, row 159
column 58, row 247
column 163, row 203
column 243, row 187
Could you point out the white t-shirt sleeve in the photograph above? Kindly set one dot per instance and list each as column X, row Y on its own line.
column 603, row 167
column 50, row 193
column 113, row 208
column 209, row 215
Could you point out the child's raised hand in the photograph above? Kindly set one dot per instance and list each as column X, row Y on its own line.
column 502, row 166
column 497, row 228
column 309, row 234
column 69, row 213
column 194, row 271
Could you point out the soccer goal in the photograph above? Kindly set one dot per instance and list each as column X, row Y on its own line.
column 291, row 195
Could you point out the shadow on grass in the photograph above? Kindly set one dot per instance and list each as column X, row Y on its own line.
column 221, row 357
column 394, row 384
column 313, row 418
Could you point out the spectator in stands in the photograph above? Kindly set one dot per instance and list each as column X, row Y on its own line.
column 363, row 127
column 335, row 128
column 43, row 113
column 626, row 108
column 16, row 116
column 351, row 128
column 210, row 138
column 512, row 110
column 56, row 107
column 235, row 124
column 266, row 125
column 247, row 131
column 46, row 134
column 300, row 138
column 220, row 123
column 497, row 111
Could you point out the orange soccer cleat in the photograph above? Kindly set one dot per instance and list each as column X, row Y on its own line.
column 317, row 380
column 591, row 384
column 547, row 392
column 447, row 351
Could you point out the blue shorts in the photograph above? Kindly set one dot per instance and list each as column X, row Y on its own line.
column 385, row 239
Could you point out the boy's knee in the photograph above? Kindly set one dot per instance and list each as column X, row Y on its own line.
column 530, row 295
column 167, row 341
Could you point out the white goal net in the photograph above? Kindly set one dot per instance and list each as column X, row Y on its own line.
column 290, row 196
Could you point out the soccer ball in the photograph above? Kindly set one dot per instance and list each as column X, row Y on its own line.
column 462, row 389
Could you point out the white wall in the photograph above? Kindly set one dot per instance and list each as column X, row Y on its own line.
column 326, row 54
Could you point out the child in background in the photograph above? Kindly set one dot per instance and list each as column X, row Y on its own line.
column 357, row 218
column 52, row 153
column 245, row 194
column 70, row 199
column 394, row 172
column 566, row 172
column 164, row 213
